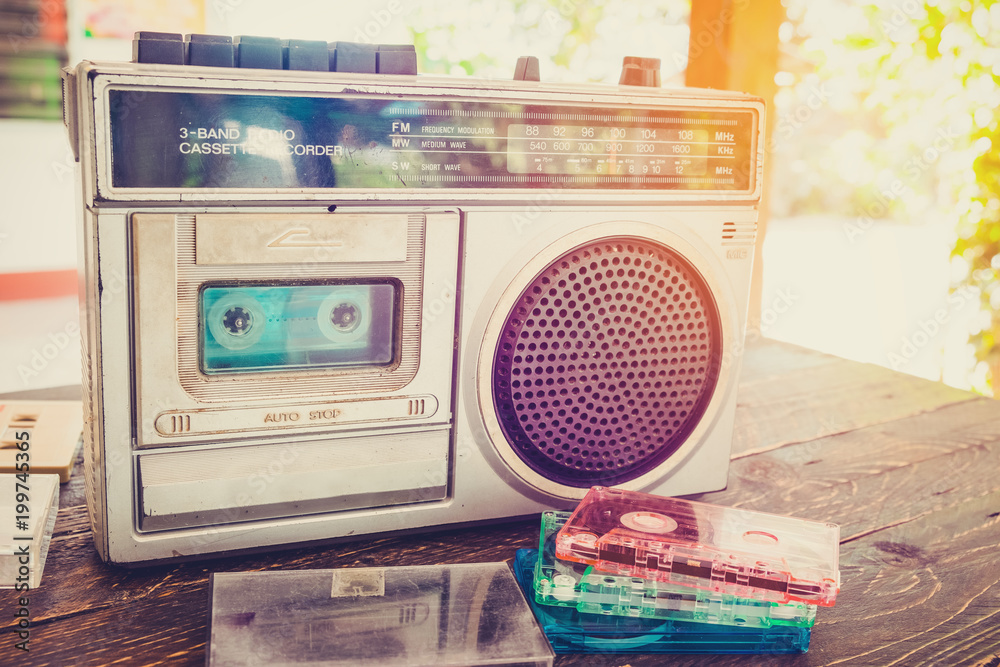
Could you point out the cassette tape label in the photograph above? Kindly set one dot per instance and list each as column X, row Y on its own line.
column 279, row 327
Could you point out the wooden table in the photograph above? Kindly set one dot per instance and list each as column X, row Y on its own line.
column 910, row 469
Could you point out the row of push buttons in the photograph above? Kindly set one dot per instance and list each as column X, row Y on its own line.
column 272, row 53
column 167, row 48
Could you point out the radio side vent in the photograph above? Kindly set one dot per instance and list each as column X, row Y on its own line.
column 65, row 98
column 69, row 112
column 93, row 466
column 739, row 233
column 88, row 431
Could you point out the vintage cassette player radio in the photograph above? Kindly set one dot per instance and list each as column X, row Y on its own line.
column 325, row 297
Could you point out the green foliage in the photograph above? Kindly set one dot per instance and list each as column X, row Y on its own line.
column 919, row 83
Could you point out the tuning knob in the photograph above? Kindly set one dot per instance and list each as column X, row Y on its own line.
column 526, row 69
column 640, row 72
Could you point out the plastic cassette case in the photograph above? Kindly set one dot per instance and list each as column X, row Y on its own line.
column 726, row 550
column 52, row 431
column 570, row 631
column 432, row 615
column 569, row 584
column 24, row 545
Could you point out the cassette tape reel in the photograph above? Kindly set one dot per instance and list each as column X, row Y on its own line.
column 287, row 327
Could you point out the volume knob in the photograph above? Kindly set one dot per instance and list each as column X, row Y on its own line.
column 640, row 72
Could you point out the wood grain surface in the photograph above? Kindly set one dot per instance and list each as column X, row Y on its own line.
column 910, row 470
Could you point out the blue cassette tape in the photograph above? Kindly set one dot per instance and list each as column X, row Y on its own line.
column 580, row 586
column 292, row 327
column 570, row 631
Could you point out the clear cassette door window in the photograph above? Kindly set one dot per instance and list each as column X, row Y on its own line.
column 281, row 327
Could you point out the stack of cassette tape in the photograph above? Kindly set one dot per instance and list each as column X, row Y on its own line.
column 629, row 572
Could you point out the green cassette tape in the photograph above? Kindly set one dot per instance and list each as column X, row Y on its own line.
column 567, row 584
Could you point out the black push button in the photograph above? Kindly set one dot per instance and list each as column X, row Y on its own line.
column 353, row 57
column 526, row 69
column 210, row 51
column 396, row 59
column 640, row 72
column 164, row 48
column 306, row 54
column 258, row 52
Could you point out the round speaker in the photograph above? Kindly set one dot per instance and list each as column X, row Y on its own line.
column 606, row 362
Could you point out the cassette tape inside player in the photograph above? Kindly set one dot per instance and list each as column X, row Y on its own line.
column 324, row 296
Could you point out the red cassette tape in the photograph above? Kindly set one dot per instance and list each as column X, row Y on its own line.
column 742, row 552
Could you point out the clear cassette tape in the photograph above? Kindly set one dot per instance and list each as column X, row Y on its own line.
column 424, row 615
column 570, row 631
column 272, row 327
column 570, row 584
column 33, row 500
column 726, row 550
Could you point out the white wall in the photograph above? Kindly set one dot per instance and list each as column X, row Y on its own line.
column 878, row 295
column 38, row 225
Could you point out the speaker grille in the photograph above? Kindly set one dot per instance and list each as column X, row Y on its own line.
column 607, row 362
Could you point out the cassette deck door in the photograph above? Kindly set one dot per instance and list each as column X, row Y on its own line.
column 286, row 363
column 290, row 273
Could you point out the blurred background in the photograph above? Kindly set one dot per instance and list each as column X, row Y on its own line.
column 882, row 216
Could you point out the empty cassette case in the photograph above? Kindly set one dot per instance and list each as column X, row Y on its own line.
column 570, row 584
column 726, row 550
column 30, row 503
column 570, row 631
column 431, row 615
column 51, row 429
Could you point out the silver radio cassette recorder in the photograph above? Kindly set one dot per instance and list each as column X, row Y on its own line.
column 325, row 297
